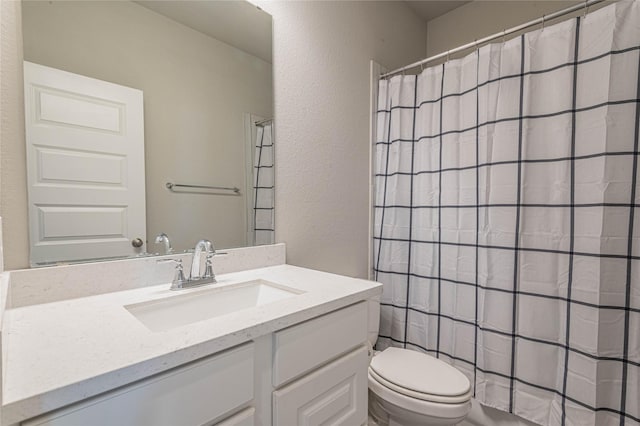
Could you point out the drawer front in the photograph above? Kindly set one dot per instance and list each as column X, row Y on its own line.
column 243, row 418
column 191, row 395
column 333, row 395
column 305, row 346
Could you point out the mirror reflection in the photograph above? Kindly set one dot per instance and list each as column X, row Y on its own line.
column 148, row 127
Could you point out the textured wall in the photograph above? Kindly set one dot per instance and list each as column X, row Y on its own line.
column 13, row 192
column 321, row 88
column 8, row 59
column 479, row 19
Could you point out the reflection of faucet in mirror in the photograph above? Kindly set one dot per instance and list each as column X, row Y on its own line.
column 163, row 238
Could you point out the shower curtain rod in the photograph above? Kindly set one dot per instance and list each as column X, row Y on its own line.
column 504, row 33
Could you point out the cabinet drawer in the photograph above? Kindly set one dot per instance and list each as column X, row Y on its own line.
column 243, row 418
column 195, row 394
column 305, row 346
column 333, row 395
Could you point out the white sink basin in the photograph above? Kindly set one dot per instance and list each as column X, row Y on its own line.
column 179, row 310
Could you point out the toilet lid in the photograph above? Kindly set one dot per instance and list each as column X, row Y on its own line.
column 420, row 373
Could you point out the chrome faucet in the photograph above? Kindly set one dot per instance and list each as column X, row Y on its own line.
column 164, row 238
column 195, row 263
column 195, row 279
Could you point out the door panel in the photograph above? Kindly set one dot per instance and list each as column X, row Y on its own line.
column 81, row 222
column 73, row 109
column 77, row 168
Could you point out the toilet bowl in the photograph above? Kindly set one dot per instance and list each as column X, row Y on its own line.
column 410, row 388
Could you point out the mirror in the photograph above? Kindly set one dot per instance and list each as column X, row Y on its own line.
column 204, row 70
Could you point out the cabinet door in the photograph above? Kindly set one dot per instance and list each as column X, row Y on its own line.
column 303, row 347
column 335, row 394
column 196, row 394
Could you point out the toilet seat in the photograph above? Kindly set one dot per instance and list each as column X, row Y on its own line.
column 439, row 399
column 434, row 410
column 420, row 376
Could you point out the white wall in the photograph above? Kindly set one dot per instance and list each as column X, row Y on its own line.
column 11, row 120
column 321, row 88
column 13, row 178
column 196, row 90
column 479, row 19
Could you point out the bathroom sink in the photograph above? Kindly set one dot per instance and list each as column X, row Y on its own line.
column 176, row 311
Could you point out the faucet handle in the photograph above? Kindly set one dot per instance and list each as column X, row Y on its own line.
column 178, row 278
column 208, row 270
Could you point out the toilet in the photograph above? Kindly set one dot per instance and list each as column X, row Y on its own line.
column 409, row 388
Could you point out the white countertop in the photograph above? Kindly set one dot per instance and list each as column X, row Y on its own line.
column 62, row 352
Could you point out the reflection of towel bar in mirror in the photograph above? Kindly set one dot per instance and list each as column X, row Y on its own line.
column 178, row 187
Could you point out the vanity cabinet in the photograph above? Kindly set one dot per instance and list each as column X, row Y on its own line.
column 312, row 373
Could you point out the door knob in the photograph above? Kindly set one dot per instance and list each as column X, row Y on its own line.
column 137, row 242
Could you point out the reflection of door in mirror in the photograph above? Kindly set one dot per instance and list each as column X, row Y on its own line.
column 85, row 166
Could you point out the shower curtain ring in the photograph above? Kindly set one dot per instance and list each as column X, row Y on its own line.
column 504, row 35
column 421, row 66
column 543, row 21
column 586, row 8
column 448, row 57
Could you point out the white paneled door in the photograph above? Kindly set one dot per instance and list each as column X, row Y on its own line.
column 85, row 166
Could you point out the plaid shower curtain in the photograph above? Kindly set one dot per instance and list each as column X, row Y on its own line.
column 507, row 218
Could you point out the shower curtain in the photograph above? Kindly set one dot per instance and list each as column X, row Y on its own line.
column 263, row 187
column 507, row 218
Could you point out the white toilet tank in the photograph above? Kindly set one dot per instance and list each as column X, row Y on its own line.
column 373, row 308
